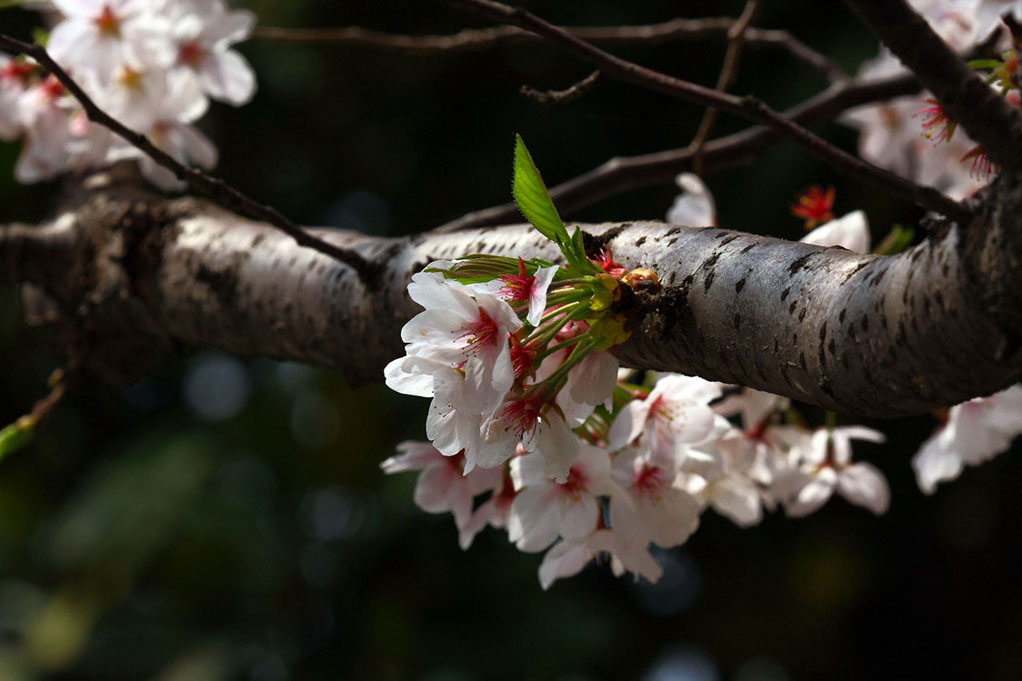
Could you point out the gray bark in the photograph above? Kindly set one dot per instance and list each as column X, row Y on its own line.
column 124, row 276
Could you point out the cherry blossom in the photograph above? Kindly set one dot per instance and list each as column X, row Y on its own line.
column 567, row 558
column 826, row 463
column 849, row 231
column 100, row 35
column 203, row 32
column 443, row 485
column 975, row 432
column 675, row 412
column 544, row 509
column 694, row 207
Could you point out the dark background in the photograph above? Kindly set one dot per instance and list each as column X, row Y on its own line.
column 226, row 518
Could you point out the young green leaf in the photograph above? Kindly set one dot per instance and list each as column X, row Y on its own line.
column 533, row 199
column 896, row 241
column 16, row 435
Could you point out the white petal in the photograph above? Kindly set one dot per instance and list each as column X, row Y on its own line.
column 936, row 462
column 227, row 76
column 864, row 485
column 738, row 501
column 563, row 560
column 579, row 516
column 813, row 495
column 537, row 296
column 850, row 231
column 694, row 206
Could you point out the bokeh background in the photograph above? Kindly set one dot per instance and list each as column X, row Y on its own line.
column 226, row 519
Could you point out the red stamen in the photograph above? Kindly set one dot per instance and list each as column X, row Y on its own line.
column 108, row 23
column 481, row 332
column 814, row 206
column 937, row 127
column 516, row 286
column 605, row 259
column 190, row 54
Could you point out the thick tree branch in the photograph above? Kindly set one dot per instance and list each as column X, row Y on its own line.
column 863, row 334
column 961, row 92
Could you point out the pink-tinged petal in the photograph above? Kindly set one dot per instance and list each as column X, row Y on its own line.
column 414, row 457
column 399, row 380
column 864, row 485
column 229, row 29
column 813, row 494
column 440, row 489
column 694, row 206
column 197, row 147
column 670, row 517
column 484, row 479
column 69, row 40
column 84, row 9
column 579, row 515
column 563, row 560
column 558, row 445
column 936, row 462
column 533, row 521
column 626, row 554
column 480, row 518
column 850, row 231
column 537, row 294
column 738, row 501
column 227, row 76
column 528, row 470
column 593, row 379
column 628, row 424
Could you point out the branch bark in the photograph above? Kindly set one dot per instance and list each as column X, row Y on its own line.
column 863, row 334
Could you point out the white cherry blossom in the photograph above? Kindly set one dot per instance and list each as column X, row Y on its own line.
column 827, row 465
column 442, row 484
column 849, row 231
column 675, row 412
column 567, row 558
column 203, row 32
column 975, row 432
column 694, row 207
column 544, row 509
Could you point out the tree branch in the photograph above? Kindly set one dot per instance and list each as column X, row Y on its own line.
column 213, row 187
column 569, row 94
column 710, row 28
column 748, row 107
column 862, row 334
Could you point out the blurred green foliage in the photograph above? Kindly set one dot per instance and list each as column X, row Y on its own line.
column 227, row 520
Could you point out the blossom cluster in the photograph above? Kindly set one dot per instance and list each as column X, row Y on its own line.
column 912, row 136
column 151, row 64
column 668, row 454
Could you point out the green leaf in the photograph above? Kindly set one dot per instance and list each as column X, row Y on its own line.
column 533, row 199
column 985, row 64
column 896, row 241
column 16, row 435
column 40, row 36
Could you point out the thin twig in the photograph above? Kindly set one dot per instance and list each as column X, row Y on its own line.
column 562, row 96
column 621, row 174
column 213, row 187
column 748, row 107
column 735, row 42
column 710, row 28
